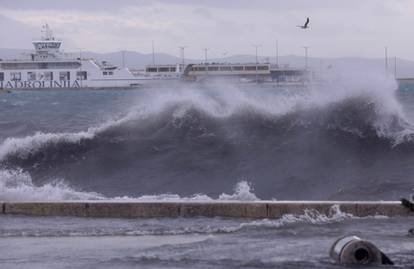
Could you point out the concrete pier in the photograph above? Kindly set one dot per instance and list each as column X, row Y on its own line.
column 254, row 210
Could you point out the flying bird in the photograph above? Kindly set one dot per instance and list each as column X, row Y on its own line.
column 305, row 26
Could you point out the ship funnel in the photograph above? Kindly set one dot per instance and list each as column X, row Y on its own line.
column 352, row 250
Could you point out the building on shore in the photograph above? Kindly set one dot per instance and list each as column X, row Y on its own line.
column 245, row 72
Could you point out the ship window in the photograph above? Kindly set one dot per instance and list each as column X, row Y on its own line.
column 173, row 69
column 225, row 68
column 164, row 69
column 64, row 75
column 199, row 68
column 1, row 76
column 213, row 68
column 31, row 76
column 250, row 68
column 15, row 76
column 81, row 75
column 47, row 75
column 110, row 73
column 237, row 68
column 39, row 65
column 151, row 69
column 105, row 73
column 47, row 45
column 263, row 67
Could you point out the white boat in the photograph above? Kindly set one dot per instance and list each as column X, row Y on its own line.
column 48, row 67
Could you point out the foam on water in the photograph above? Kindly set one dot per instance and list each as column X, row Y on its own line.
column 22, row 147
column 309, row 217
column 16, row 185
column 66, row 226
column 224, row 100
column 243, row 191
column 182, row 109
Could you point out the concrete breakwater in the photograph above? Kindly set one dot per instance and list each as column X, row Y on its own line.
column 258, row 210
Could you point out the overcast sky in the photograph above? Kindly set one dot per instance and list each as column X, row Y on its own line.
column 338, row 28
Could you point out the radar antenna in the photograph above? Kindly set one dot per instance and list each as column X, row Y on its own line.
column 47, row 33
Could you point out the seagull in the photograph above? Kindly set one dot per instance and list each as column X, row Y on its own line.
column 305, row 26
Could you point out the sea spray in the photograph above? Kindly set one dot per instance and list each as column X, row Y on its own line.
column 242, row 192
column 16, row 185
column 343, row 140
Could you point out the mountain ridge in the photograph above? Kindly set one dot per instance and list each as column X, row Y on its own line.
column 138, row 60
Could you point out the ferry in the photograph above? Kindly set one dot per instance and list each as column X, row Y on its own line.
column 48, row 67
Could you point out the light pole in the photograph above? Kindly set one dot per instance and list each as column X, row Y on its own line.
column 277, row 53
column 395, row 67
column 123, row 58
column 182, row 49
column 153, row 53
column 205, row 54
column 306, row 57
column 257, row 47
column 80, row 67
column 386, row 60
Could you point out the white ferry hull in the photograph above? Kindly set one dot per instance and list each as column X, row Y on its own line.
column 94, row 77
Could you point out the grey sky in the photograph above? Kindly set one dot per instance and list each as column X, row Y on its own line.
column 338, row 28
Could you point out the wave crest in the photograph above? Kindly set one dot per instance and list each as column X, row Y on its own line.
column 319, row 141
column 16, row 185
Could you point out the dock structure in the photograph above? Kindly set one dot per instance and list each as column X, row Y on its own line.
column 230, row 209
column 253, row 71
column 405, row 81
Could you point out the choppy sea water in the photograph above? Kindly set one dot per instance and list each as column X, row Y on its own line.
column 290, row 242
column 348, row 139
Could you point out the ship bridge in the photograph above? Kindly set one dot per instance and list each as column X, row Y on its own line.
column 47, row 47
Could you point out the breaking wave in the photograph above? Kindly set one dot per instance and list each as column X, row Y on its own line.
column 336, row 141
column 17, row 185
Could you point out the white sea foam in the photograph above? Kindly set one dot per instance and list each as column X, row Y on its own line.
column 163, row 198
column 243, row 191
column 144, row 227
column 24, row 146
column 309, row 217
column 219, row 101
column 223, row 100
column 16, row 185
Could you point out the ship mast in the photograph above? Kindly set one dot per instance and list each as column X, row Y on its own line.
column 47, row 33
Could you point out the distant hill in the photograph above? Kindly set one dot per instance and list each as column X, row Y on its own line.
column 137, row 60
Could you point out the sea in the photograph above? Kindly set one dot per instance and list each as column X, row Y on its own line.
column 350, row 137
